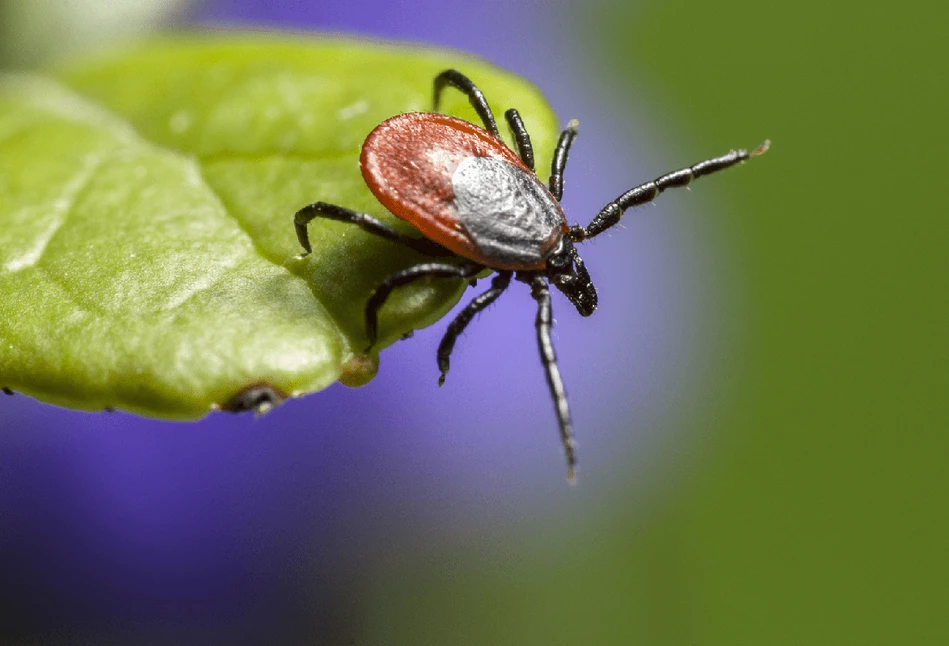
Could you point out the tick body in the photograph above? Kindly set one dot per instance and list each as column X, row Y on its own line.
column 472, row 196
column 462, row 187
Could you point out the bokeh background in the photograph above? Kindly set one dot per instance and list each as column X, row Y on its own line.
column 760, row 400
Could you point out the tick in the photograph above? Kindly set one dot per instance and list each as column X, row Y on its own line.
column 471, row 196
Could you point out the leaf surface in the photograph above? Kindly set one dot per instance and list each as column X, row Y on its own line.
column 148, row 259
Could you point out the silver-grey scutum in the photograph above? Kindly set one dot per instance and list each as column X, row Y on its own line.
column 510, row 215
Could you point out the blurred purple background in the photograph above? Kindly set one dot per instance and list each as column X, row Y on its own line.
column 243, row 530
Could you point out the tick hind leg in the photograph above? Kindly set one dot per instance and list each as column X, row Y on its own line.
column 541, row 294
column 458, row 80
column 498, row 284
column 406, row 276
column 365, row 222
column 644, row 193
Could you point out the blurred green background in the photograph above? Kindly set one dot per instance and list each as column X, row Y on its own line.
column 821, row 517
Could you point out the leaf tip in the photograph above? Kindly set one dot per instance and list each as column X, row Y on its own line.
column 359, row 370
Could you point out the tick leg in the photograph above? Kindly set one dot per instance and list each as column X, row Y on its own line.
column 521, row 137
column 541, row 294
column 498, row 284
column 458, row 80
column 404, row 277
column 560, row 158
column 612, row 212
column 365, row 222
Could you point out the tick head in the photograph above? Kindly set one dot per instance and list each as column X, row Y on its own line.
column 566, row 271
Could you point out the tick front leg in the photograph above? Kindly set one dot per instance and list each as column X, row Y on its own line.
column 458, row 80
column 498, row 284
column 541, row 294
column 404, row 277
column 365, row 222
column 644, row 193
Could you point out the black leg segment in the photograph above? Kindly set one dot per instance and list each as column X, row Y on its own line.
column 365, row 222
column 498, row 284
column 458, row 80
column 560, row 158
column 406, row 276
column 521, row 137
column 644, row 193
column 541, row 294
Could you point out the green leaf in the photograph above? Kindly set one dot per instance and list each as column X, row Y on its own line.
column 148, row 259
